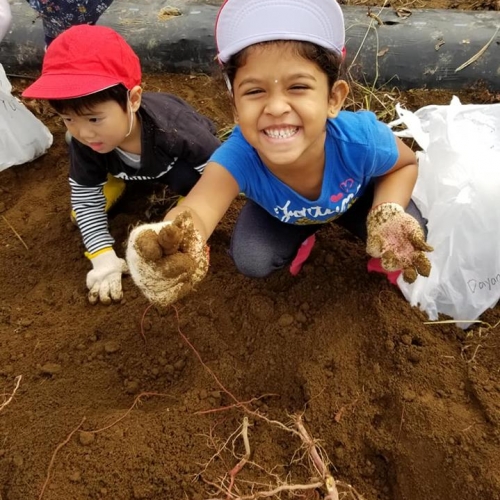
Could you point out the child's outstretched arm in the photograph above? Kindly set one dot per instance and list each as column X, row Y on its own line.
column 397, row 184
column 167, row 259
column 393, row 235
column 104, row 281
column 93, row 192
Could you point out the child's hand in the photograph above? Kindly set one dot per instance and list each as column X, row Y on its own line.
column 105, row 280
column 167, row 259
column 397, row 238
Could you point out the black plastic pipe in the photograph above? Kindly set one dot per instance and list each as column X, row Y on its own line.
column 423, row 50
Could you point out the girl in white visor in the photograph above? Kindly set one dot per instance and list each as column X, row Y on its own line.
column 301, row 160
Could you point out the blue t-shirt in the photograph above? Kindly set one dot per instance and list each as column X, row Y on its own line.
column 357, row 148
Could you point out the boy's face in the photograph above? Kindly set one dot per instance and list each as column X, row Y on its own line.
column 103, row 128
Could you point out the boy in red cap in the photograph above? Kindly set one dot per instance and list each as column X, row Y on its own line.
column 92, row 78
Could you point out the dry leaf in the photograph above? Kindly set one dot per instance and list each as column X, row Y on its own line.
column 339, row 414
column 439, row 44
column 403, row 12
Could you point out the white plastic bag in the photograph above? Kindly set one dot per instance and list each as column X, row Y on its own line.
column 22, row 136
column 458, row 191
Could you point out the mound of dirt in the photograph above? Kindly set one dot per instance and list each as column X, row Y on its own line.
column 133, row 402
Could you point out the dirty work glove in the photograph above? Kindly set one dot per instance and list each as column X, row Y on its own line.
column 105, row 280
column 397, row 238
column 167, row 259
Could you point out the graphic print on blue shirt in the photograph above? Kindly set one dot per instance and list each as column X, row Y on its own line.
column 317, row 212
column 357, row 149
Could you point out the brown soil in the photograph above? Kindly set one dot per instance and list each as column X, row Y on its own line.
column 404, row 410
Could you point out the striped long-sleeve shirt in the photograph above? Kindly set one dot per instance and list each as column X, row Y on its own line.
column 174, row 138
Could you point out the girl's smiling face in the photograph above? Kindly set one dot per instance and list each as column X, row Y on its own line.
column 282, row 103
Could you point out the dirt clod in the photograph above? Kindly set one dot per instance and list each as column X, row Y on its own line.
column 169, row 239
column 50, row 369
column 86, row 438
column 111, row 347
column 148, row 246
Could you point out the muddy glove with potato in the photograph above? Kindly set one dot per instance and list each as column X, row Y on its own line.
column 398, row 240
column 167, row 259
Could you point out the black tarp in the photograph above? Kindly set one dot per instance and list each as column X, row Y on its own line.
column 422, row 50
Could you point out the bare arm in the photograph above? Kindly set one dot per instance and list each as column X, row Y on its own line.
column 209, row 199
column 397, row 184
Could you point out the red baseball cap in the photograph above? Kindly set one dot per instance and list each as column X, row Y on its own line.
column 83, row 60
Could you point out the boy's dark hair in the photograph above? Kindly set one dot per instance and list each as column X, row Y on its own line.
column 81, row 105
column 328, row 61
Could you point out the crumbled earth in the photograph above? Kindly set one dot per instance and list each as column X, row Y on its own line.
column 135, row 402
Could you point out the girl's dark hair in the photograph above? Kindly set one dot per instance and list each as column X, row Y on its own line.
column 328, row 61
column 81, row 105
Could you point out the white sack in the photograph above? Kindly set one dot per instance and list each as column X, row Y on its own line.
column 22, row 136
column 458, row 191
